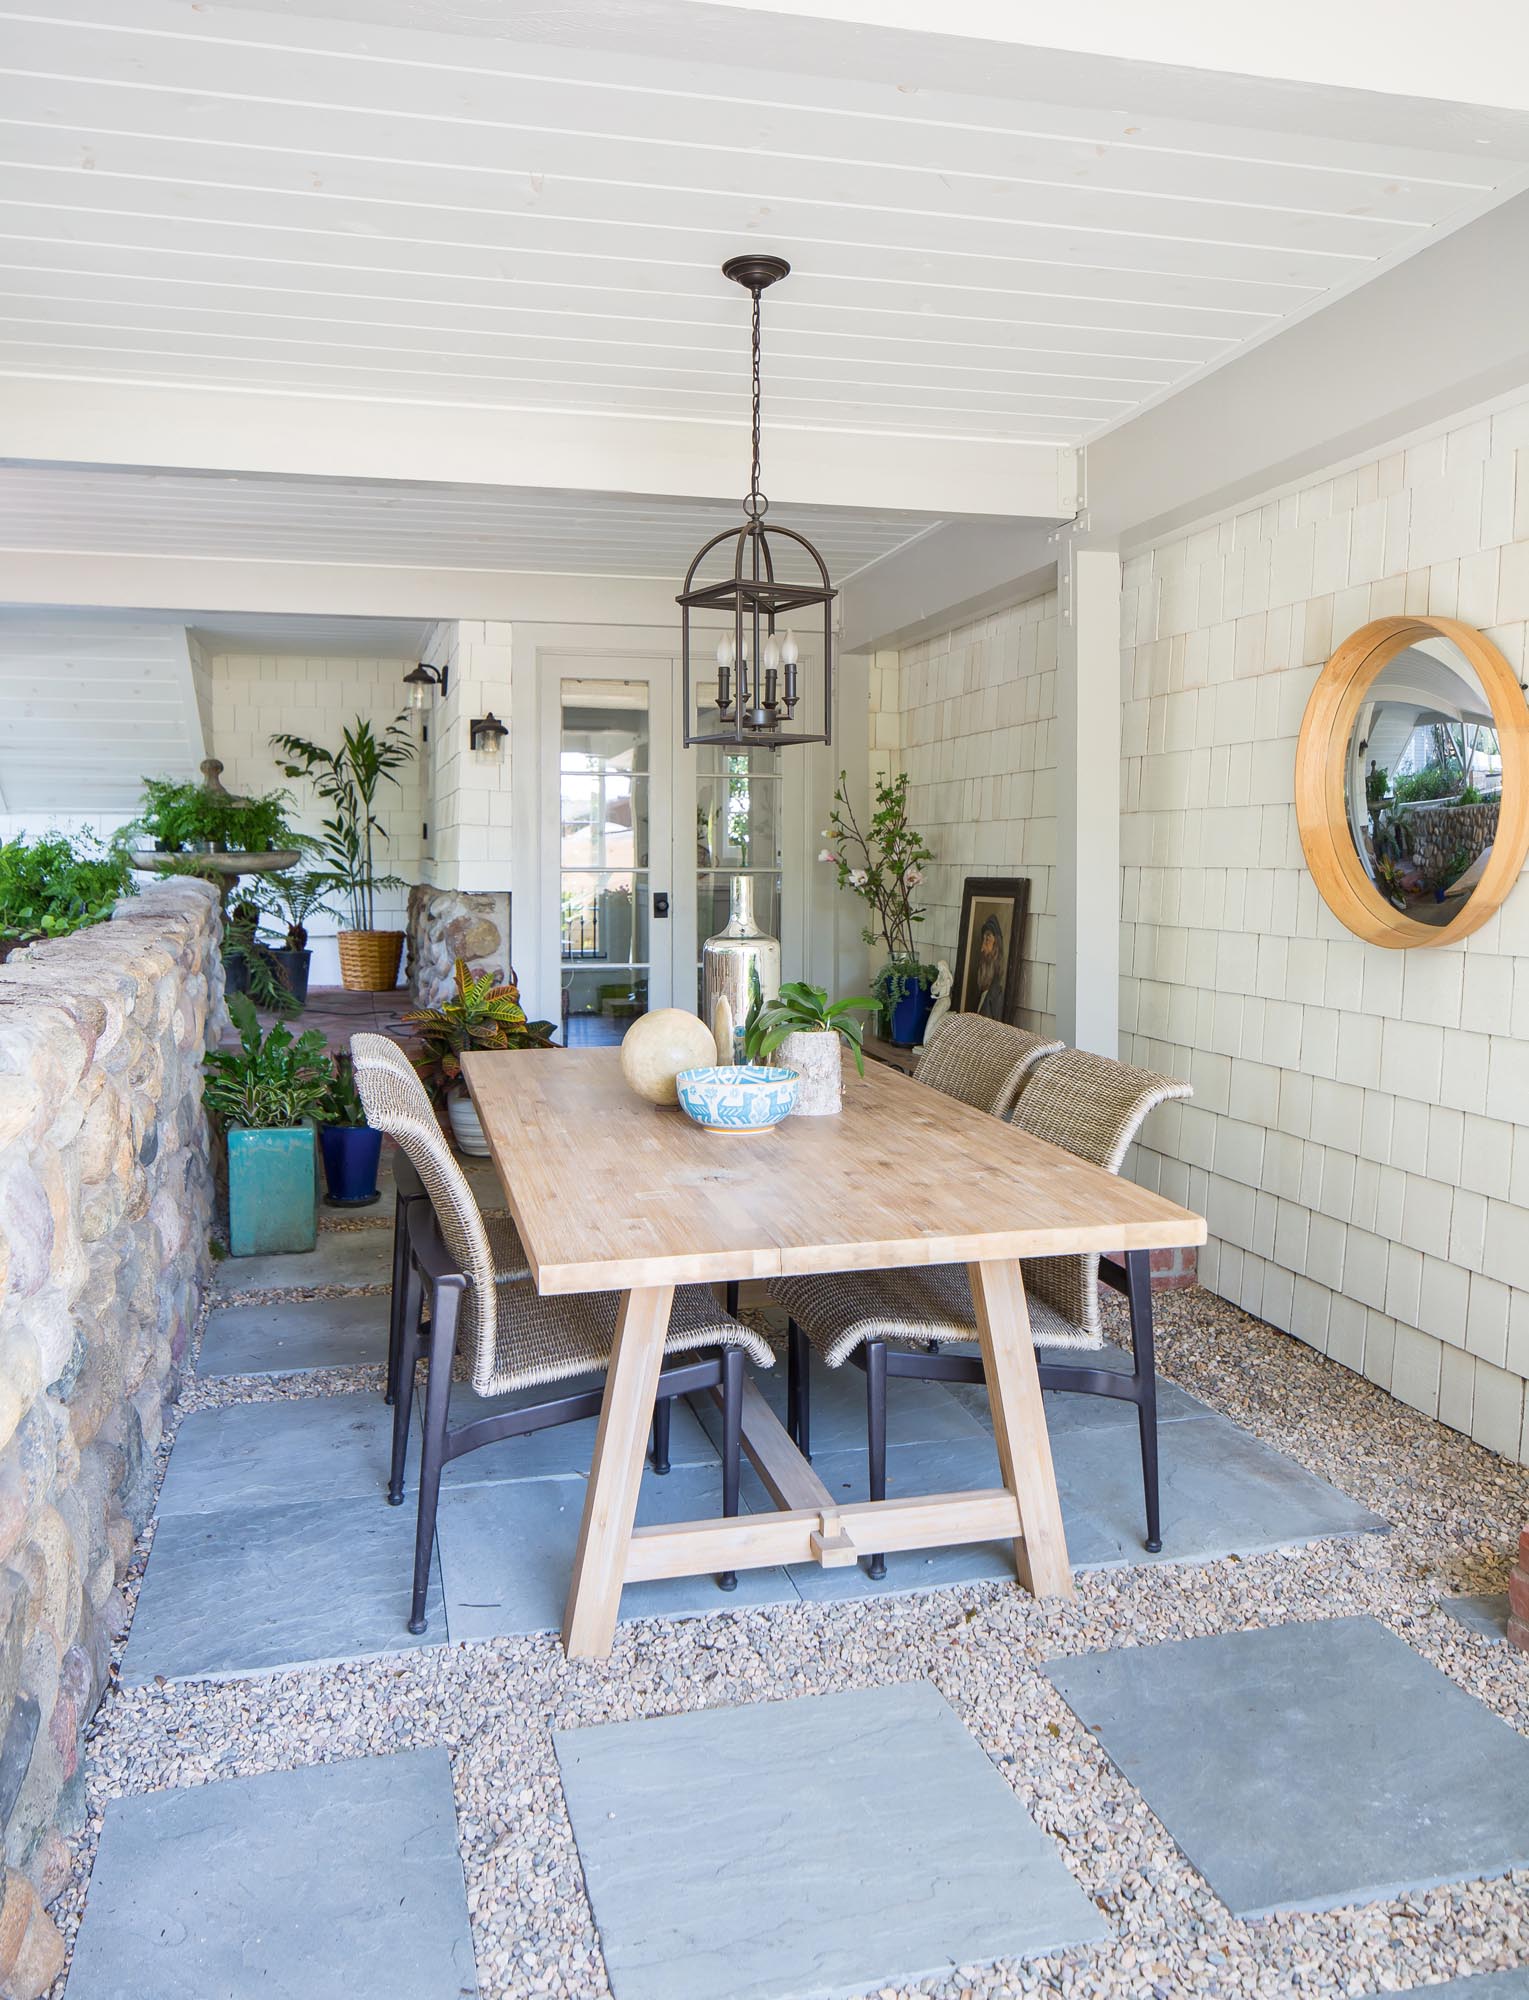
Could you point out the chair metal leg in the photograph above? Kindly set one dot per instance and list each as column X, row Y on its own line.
column 662, row 1411
column 1139, row 1297
column 732, row 1297
column 444, row 1301
column 406, row 1308
column 798, row 1389
column 732, row 1443
column 875, row 1352
column 396, row 1300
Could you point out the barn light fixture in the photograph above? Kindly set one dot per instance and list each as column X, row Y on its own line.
column 422, row 683
column 758, row 678
column 485, row 734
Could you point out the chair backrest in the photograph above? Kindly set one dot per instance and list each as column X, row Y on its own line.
column 396, row 1102
column 1091, row 1106
column 982, row 1062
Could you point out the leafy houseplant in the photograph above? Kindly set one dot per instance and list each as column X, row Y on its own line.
column 59, row 883
column 266, row 1094
column 482, row 1016
column 885, row 864
column 802, row 1029
column 350, row 1148
column 349, row 780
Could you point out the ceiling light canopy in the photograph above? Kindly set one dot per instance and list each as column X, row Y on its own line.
column 757, row 667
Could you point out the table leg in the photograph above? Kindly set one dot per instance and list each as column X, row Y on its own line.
column 610, row 1503
column 1019, row 1425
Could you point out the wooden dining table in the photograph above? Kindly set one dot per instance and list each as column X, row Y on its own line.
column 613, row 1194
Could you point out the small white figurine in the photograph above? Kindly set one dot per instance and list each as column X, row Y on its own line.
column 944, row 986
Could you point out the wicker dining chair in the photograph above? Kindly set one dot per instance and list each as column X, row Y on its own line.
column 516, row 1339
column 982, row 1062
column 894, row 1322
column 505, row 1247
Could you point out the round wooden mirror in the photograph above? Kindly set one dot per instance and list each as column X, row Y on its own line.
column 1412, row 781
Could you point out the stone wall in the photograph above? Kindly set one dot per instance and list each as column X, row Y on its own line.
column 447, row 924
column 105, row 1207
column 1440, row 831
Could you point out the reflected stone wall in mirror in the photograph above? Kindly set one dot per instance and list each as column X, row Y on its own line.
column 1412, row 781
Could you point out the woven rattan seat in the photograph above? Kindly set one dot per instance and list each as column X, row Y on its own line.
column 1086, row 1104
column 895, row 1322
column 505, row 1247
column 517, row 1338
column 982, row 1062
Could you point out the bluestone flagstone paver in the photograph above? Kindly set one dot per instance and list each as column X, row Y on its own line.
column 1510, row 1985
column 507, row 1549
column 307, row 1448
column 1487, row 1615
column 807, row 1849
column 315, row 1884
column 293, row 1335
column 351, row 1257
column 251, row 1590
column 1311, row 1765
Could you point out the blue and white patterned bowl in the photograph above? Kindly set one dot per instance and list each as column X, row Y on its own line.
column 744, row 1098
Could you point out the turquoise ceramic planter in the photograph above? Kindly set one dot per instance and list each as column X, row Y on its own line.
column 272, row 1189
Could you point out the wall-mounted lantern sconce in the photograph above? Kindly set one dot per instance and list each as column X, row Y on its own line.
column 486, row 733
column 422, row 682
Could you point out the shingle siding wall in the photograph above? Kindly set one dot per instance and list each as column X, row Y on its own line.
column 1359, row 1135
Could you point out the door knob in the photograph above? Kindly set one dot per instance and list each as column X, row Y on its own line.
column 660, row 902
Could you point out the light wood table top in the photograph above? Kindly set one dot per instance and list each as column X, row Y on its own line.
column 612, row 1193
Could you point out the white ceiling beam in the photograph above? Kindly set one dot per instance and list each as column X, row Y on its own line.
column 107, row 423
column 1444, row 333
column 189, row 588
column 1440, row 334
column 1477, row 54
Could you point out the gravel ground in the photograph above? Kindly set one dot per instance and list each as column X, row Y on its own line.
column 1455, row 1509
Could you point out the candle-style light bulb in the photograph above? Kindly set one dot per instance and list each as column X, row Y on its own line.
column 789, row 652
column 772, row 653
column 726, row 652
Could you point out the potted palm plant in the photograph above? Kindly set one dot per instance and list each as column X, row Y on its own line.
column 482, row 1016
column 292, row 898
column 266, row 1095
column 350, row 1148
column 802, row 1029
column 349, row 781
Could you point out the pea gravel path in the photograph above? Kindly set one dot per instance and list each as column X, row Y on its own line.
column 1455, row 1508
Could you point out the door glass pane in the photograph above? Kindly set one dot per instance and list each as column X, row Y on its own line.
column 738, row 826
column 604, row 857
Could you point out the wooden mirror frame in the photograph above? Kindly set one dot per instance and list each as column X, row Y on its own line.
column 1322, row 754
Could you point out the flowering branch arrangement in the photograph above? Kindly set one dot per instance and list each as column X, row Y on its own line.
column 884, row 864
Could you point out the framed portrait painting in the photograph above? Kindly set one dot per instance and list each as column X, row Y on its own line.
column 990, row 946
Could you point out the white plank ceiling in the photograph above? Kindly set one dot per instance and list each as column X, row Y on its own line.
column 91, row 510
column 322, row 199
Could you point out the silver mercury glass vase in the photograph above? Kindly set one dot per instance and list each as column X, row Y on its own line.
column 739, row 965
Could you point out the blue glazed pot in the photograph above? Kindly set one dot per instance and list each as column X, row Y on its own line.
column 272, row 1190
column 351, row 1154
column 908, row 1016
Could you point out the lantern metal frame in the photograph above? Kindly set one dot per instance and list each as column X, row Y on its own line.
column 753, row 593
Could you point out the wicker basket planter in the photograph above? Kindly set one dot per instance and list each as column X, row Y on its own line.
column 369, row 960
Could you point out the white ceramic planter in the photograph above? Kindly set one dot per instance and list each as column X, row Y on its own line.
column 817, row 1058
column 466, row 1126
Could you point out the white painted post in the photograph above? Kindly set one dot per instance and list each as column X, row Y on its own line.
column 1088, row 796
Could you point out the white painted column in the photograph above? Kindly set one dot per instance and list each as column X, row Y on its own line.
column 1088, row 796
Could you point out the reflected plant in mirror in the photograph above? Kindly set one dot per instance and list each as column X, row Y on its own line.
column 1424, row 780
column 1412, row 781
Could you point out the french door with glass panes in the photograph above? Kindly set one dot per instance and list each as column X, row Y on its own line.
column 647, row 836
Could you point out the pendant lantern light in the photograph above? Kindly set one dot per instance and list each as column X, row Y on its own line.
column 758, row 660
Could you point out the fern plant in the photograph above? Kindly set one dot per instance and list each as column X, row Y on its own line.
column 349, row 780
